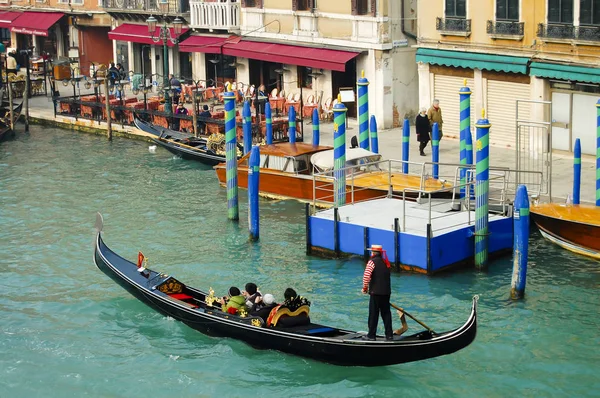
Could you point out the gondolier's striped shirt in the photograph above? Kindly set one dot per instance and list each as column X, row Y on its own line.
column 367, row 274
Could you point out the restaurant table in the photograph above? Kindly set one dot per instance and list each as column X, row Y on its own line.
column 87, row 110
column 187, row 125
column 277, row 104
column 212, row 128
column 129, row 113
column 308, row 109
column 159, row 120
column 295, row 104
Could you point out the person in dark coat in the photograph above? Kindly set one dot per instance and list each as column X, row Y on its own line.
column 377, row 283
column 263, row 305
column 423, row 128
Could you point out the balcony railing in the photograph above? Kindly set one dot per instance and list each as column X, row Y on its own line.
column 569, row 32
column 453, row 25
column 217, row 16
column 505, row 28
column 174, row 6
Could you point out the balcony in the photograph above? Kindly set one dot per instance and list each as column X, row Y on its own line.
column 145, row 6
column 510, row 30
column 453, row 26
column 570, row 33
column 215, row 16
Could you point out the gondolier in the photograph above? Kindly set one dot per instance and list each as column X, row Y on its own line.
column 377, row 283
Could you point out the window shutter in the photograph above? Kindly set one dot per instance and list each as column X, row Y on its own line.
column 294, row 5
column 311, row 5
column 373, row 8
column 259, row 3
column 354, row 7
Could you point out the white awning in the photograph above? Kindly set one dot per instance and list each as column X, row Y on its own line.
column 323, row 161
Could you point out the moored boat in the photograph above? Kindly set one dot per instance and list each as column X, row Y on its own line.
column 193, row 307
column 573, row 227
column 5, row 125
column 305, row 172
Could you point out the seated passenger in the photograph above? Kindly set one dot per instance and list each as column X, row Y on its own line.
column 251, row 293
column 292, row 300
column 234, row 303
column 263, row 305
column 283, row 314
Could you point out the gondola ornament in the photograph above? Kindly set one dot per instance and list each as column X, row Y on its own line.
column 210, row 299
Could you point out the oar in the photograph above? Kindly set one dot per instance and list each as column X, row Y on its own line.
column 412, row 317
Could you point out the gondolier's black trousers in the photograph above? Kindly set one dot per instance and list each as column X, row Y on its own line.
column 380, row 304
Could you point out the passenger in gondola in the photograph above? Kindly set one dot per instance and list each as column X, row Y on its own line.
column 251, row 293
column 263, row 305
column 292, row 301
column 234, row 303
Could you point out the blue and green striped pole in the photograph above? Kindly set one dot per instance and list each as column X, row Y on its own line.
column 231, row 156
column 405, row 145
column 482, row 186
column 469, row 159
column 268, row 124
column 247, row 123
column 316, row 128
column 465, row 128
column 363, row 111
column 598, row 153
column 435, row 150
column 292, row 123
column 339, row 151
column 520, row 243
column 577, row 173
column 373, row 133
column 253, row 184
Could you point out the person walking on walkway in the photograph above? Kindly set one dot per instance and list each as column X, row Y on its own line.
column 423, row 129
column 434, row 114
column 377, row 283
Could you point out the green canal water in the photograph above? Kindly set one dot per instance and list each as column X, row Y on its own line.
column 66, row 330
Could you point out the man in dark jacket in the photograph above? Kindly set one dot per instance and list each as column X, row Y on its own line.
column 377, row 283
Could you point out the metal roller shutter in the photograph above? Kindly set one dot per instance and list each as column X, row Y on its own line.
column 501, row 110
column 446, row 90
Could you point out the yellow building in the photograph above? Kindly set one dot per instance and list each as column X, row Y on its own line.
column 509, row 50
column 315, row 46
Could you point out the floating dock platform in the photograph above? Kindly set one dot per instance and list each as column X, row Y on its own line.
column 425, row 238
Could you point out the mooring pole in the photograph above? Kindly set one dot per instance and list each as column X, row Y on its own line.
column 107, row 107
column 253, row 186
column 373, row 132
column 397, row 243
column 308, row 231
column 469, row 161
column 26, row 102
column 231, row 156
column 247, row 126
column 405, row 145
column 465, row 129
column 268, row 124
column 363, row 111
column 9, row 85
column 521, row 243
column 435, row 150
column 292, row 125
column 336, row 233
column 577, row 172
column 481, row 191
column 339, row 151
column 316, row 128
column 194, row 110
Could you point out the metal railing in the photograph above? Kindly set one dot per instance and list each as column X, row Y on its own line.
column 569, row 32
column 174, row 6
column 507, row 28
column 453, row 24
column 224, row 16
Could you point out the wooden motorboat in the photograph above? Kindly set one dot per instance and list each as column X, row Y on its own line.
column 573, row 227
column 193, row 307
column 302, row 171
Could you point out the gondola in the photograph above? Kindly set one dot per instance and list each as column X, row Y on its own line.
column 6, row 131
column 171, row 297
column 184, row 145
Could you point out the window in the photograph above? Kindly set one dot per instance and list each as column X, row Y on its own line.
column 304, row 79
column 560, row 11
column 252, row 3
column 456, row 8
column 507, row 10
column 303, row 5
column 364, row 7
column 589, row 12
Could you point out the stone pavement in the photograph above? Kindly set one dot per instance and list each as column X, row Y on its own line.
column 390, row 146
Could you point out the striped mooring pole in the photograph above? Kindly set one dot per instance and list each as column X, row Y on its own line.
column 469, row 161
column 577, row 173
column 521, row 243
column 482, row 186
column 231, row 157
column 247, row 123
column 253, row 184
column 316, row 128
column 405, row 145
column 268, row 124
column 363, row 111
column 292, row 123
column 465, row 128
column 373, row 133
column 339, row 151
column 435, row 150
column 598, row 153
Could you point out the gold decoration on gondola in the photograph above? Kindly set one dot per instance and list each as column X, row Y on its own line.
column 216, row 143
column 170, row 286
column 256, row 322
column 210, row 299
column 242, row 312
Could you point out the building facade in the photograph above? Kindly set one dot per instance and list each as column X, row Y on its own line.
column 510, row 50
column 316, row 46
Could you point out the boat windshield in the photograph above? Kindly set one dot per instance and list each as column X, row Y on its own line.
column 288, row 164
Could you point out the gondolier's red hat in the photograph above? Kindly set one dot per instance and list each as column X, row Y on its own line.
column 375, row 248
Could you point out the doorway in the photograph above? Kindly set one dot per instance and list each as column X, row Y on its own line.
column 345, row 79
column 264, row 72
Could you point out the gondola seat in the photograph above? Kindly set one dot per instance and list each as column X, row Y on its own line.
column 186, row 298
column 286, row 318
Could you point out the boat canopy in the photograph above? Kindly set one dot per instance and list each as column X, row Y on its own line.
column 323, row 161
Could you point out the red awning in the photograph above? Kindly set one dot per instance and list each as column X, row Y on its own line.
column 6, row 18
column 204, row 44
column 35, row 23
column 293, row 55
column 138, row 34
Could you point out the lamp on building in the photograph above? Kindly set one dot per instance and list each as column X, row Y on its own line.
column 215, row 62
